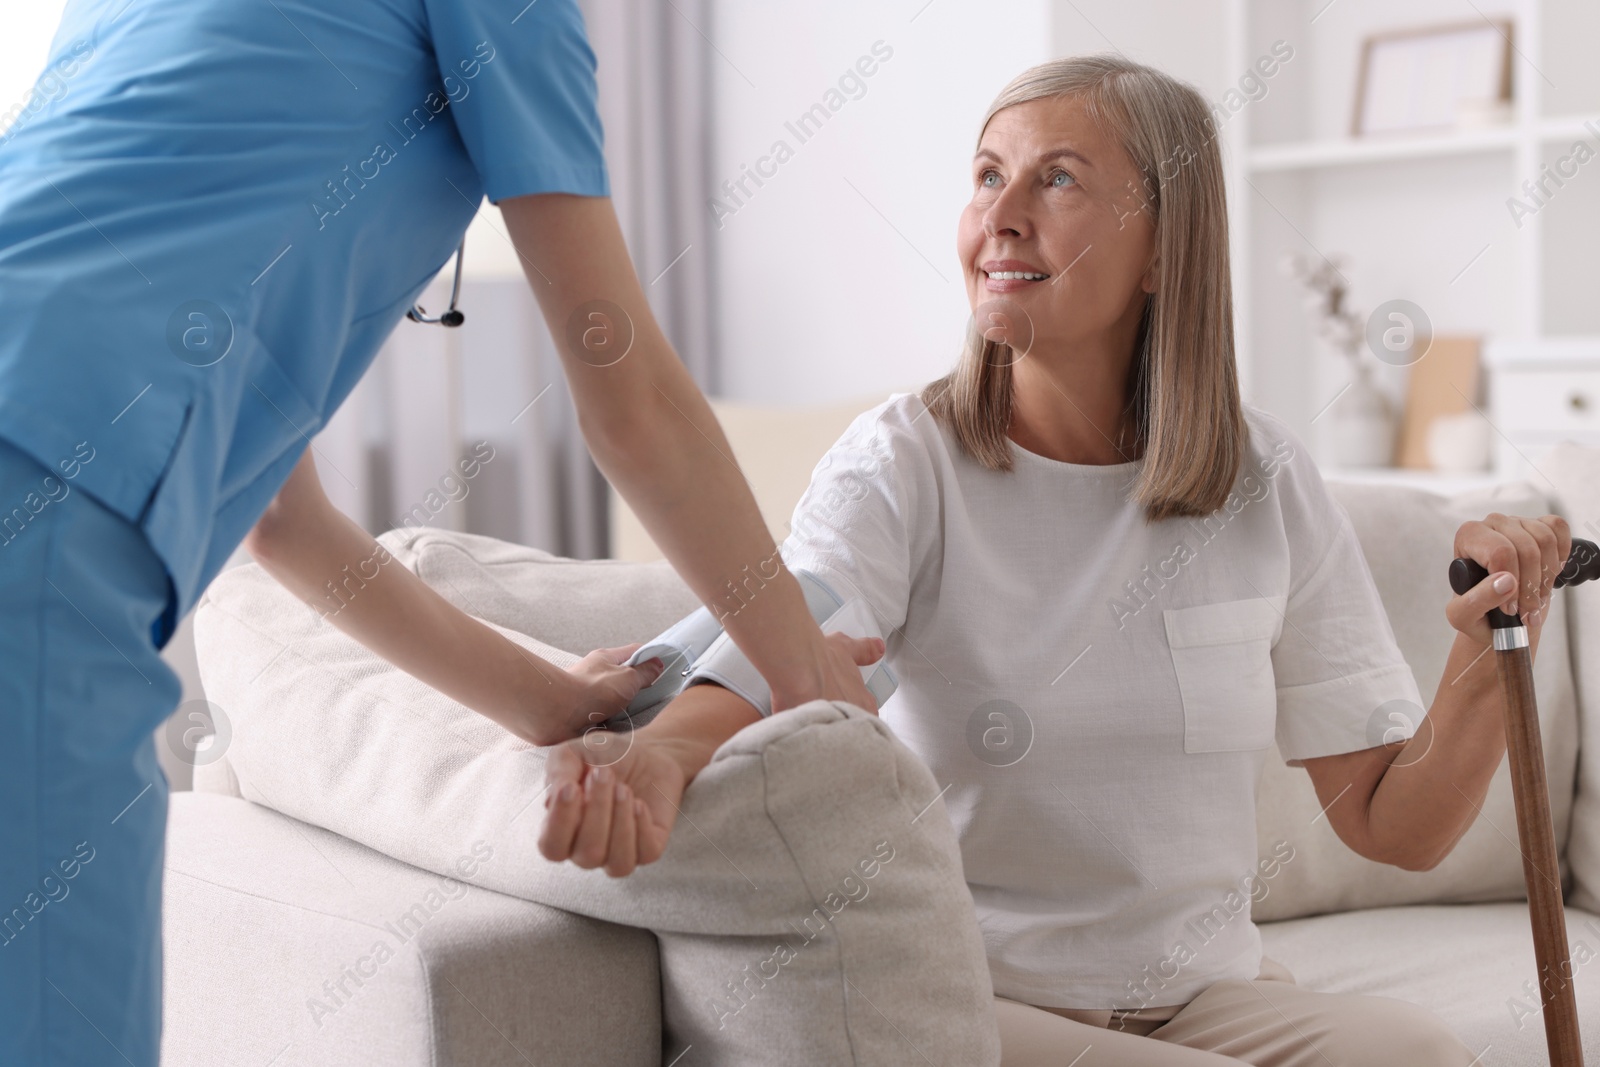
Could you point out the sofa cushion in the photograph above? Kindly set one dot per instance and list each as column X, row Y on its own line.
column 329, row 952
column 1472, row 965
column 560, row 603
column 576, row 605
column 1407, row 537
column 793, row 906
column 1574, row 474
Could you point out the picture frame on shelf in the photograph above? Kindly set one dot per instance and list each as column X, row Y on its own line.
column 1434, row 78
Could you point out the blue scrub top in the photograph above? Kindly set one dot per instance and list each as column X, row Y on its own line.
column 214, row 211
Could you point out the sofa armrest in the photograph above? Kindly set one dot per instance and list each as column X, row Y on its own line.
column 216, row 777
column 288, row 944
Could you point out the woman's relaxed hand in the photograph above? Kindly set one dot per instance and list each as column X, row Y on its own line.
column 1522, row 556
column 612, row 796
column 611, row 799
column 606, row 685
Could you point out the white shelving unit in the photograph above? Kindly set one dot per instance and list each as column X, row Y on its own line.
column 1421, row 217
column 1350, row 150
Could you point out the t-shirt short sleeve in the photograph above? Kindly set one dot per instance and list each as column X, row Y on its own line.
column 851, row 527
column 522, row 90
column 1343, row 684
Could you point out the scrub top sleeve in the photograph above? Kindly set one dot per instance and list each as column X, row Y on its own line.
column 1342, row 682
column 521, row 81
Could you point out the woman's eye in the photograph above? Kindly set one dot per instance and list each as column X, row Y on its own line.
column 1061, row 180
column 989, row 180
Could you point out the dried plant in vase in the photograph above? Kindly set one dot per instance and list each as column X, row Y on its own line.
column 1361, row 425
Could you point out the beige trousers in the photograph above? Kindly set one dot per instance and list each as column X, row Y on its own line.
column 1267, row 1022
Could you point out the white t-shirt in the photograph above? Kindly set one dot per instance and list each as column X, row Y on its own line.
column 1099, row 694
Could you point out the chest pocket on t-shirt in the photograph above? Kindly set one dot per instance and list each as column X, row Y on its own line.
column 1223, row 657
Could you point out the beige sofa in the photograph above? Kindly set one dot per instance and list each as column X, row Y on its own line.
column 327, row 822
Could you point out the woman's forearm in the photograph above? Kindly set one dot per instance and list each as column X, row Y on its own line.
column 1434, row 788
column 1409, row 804
column 696, row 723
column 349, row 579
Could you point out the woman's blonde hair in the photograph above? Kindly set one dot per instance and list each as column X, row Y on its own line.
column 1185, row 407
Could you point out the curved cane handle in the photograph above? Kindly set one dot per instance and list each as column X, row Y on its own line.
column 1583, row 563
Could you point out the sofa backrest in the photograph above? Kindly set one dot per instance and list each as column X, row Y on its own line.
column 1573, row 474
column 1406, row 535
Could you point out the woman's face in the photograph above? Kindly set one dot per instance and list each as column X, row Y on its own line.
column 1058, row 229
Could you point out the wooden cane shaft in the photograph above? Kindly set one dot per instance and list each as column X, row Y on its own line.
column 1536, row 832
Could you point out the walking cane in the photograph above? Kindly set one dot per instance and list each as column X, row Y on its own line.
column 1532, row 796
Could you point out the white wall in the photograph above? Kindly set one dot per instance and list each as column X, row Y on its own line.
column 24, row 45
column 826, row 291
column 1185, row 38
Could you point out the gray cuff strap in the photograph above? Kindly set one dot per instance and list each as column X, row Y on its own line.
column 677, row 647
column 724, row 664
column 729, row 668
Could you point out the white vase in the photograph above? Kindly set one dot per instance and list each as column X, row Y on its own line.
column 1361, row 427
column 1459, row 444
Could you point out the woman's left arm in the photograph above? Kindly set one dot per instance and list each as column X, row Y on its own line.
column 1408, row 803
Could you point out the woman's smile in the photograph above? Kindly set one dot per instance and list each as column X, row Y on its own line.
column 1011, row 275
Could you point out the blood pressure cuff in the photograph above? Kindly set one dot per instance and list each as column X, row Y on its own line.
column 697, row 649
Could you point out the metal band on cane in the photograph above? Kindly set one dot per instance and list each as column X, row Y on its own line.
column 1510, row 637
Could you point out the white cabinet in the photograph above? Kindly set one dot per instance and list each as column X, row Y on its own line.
column 1542, row 392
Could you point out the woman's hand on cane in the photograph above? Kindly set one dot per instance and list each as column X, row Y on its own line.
column 1523, row 557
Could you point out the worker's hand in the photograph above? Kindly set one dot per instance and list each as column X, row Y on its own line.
column 839, row 659
column 611, row 799
column 606, row 685
column 1523, row 557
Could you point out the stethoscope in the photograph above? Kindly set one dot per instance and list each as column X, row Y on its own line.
column 451, row 316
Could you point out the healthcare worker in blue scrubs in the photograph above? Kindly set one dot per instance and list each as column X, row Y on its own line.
column 212, row 213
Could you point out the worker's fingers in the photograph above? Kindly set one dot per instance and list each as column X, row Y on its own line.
column 594, row 836
column 623, row 854
column 564, row 771
column 630, row 679
column 863, row 651
column 848, row 655
column 647, row 672
column 619, row 654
